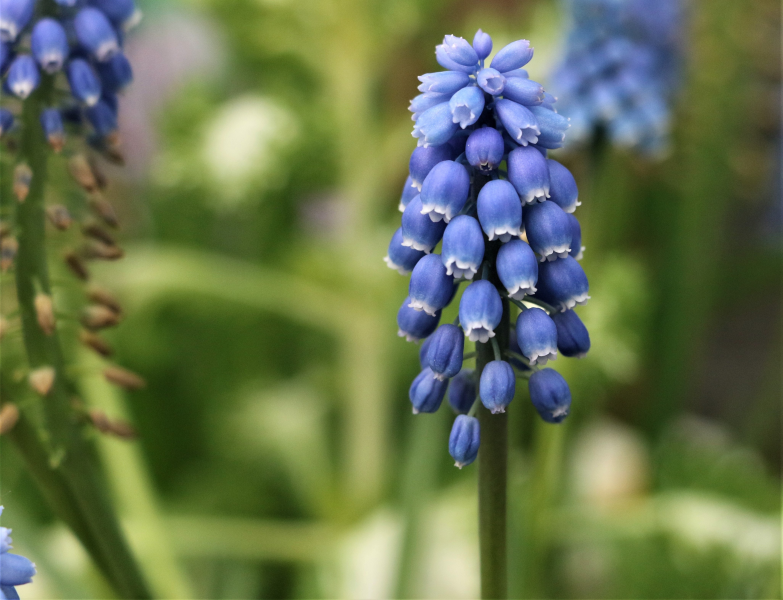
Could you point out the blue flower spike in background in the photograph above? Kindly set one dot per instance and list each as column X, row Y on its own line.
column 501, row 185
column 14, row 569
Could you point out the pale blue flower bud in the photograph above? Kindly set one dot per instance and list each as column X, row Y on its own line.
column 424, row 159
column 426, row 392
column 518, row 121
column 524, row 91
column 14, row 16
column 401, row 258
column 528, row 171
column 96, row 34
column 562, row 187
column 431, row 287
column 550, row 395
column 466, row 106
column 103, row 118
column 573, row 340
column 445, row 190
column 84, row 82
column 409, row 192
column 499, row 210
column 15, row 570
column 445, row 352
column 123, row 13
column 462, row 391
column 443, row 82
column 549, row 101
column 6, row 121
column 562, row 283
column 537, row 336
column 480, row 311
column 548, row 230
column 418, row 230
column 463, row 247
column 423, row 102
column 116, row 73
column 515, row 55
column 516, row 73
column 517, row 268
column 485, row 148
column 491, row 81
column 49, row 45
column 23, row 76
column 497, row 386
column 52, row 124
column 577, row 249
column 459, row 51
column 464, row 440
column 415, row 325
column 435, row 126
column 552, row 127
column 482, row 44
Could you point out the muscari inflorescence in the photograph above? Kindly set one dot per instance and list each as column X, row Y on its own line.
column 507, row 233
column 14, row 569
column 620, row 69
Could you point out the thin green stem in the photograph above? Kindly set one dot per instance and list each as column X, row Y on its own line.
column 547, row 307
column 61, row 459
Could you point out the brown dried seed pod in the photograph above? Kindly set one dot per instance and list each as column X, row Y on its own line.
column 123, row 430
column 42, row 380
column 100, row 176
column 56, row 141
column 91, row 229
column 97, row 316
column 44, row 311
column 96, row 343
column 96, row 250
column 9, row 415
column 77, row 266
column 23, row 176
column 100, row 420
column 124, row 378
column 100, row 295
column 82, row 172
column 104, row 210
column 8, row 248
column 59, row 216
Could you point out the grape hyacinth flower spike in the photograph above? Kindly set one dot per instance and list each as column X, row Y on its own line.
column 14, row 569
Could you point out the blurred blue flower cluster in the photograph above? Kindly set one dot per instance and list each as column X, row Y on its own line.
column 471, row 121
column 82, row 39
column 620, row 70
column 14, row 569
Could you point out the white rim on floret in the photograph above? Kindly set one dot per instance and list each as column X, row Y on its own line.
column 581, row 300
column 503, row 232
column 22, row 89
column 460, row 270
column 106, row 50
column 479, row 332
column 411, row 243
column 561, row 411
column 581, row 253
column 52, row 62
column 525, row 288
column 541, row 358
column 408, row 336
column 392, row 265
column 437, row 213
column 133, row 20
column 8, row 31
column 535, row 195
column 423, row 305
column 554, row 252
column 572, row 208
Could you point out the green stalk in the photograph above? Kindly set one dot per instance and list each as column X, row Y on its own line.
column 60, row 457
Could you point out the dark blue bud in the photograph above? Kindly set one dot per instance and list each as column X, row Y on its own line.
column 550, row 395
column 562, row 283
column 548, row 230
column 524, row 91
column 458, row 51
column 445, row 190
column 431, row 288
column 497, row 386
column 15, row 569
column 515, row 55
column 466, row 106
column 573, row 340
column 443, row 82
column 6, row 121
column 463, row 247
column 552, row 127
column 23, row 76
column 518, row 121
column 516, row 73
column 6, row 55
column 480, row 311
column 123, row 13
column 457, row 145
column 562, row 187
column 462, row 391
column 401, row 258
column 464, row 440
column 576, row 238
column 528, row 171
column 517, row 268
column 116, row 74
column 52, row 124
column 426, row 392
column 499, row 210
column 103, row 118
column 445, row 353
column 415, row 325
column 485, row 148
column 482, row 44
column 96, row 34
column 49, row 45
column 435, row 126
column 491, row 81
column 84, row 82
column 537, row 336
column 424, row 159
column 14, row 16
column 409, row 192
column 418, row 230
column 423, row 102
column 66, row 3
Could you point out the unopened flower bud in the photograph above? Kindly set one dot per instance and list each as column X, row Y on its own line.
column 463, row 247
column 95, row 34
column 445, row 191
column 499, row 210
column 456, row 54
column 462, row 391
column 84, row 82
column 124, row 378
column 59, row 216
column 76, row 265
column 480, row 311
column 484, row 149
column 426, row 392
column 435, row 126
column 529, row 173
column 401, row 258
column 444, row 355
column 548, row 230
column 418, row 230
column 536, row 335
column 42, row 380
column 497, row 386
column 22, row 77
column 431, row 287
column 519, row 122
column 482, row 44
column 23, row 176
column 9, row 415
column 464, row 440
column 49, row 44
column 550, row 395
column 517, row 268
column 95, row 342
column 562, row 283
column 423, row 160
column 97, row 316
column 573, row 340
column 415, row 325
column 8, row 248
column 44, row 311
column 16, row 15
column 513, row 56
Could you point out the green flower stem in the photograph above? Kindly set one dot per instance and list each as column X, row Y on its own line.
column 57, row 452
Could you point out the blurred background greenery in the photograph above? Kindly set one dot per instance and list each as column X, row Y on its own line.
column 266, row 145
